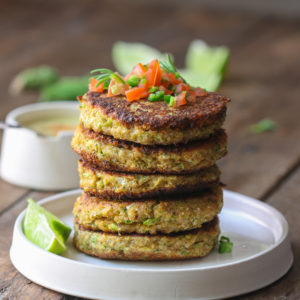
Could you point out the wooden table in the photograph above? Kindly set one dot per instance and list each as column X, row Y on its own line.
column 262, row 80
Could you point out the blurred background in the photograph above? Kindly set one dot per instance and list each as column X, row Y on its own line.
column 262, row 77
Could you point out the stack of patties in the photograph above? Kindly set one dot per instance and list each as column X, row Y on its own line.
column 151, row 189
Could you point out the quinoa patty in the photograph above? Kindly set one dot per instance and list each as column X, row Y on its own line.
column 152, row 123
column 149, row 216
column 111, row 154
column 183, row 245
column 122, row 186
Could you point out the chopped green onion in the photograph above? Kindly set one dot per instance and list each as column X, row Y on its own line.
column 167, row 98
column 153, row 89
column 172, row 100
column 143, row 81
column 133, row 80
column 263, row 126
column 225, row 246
column 152, row 97
column 160, row 95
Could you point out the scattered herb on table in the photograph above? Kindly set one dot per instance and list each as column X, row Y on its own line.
column 264, row 125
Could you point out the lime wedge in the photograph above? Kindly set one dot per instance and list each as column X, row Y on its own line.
column 126, row 55
column 44, row 229
column 210, row 82
column 205, row 59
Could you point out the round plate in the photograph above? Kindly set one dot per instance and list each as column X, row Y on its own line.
column 261, row 254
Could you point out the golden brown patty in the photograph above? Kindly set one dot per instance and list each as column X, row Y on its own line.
column 149, row 216
column 111, row 154
column 184, row 245
column 122, row 186
column 152, row 123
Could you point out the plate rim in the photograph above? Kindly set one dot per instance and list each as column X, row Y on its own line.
column 281, row 240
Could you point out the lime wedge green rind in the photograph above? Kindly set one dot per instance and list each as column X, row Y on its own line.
column 205, row 59
column 44, row 229
column 126, row 55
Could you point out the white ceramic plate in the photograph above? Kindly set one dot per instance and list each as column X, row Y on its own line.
column 261, row 255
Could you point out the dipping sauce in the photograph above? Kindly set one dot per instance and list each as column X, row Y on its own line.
column 52, row 125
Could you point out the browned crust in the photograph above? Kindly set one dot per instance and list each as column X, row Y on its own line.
column 88, row 197
column 160, row 115
column 219, row 136
column 107, row 194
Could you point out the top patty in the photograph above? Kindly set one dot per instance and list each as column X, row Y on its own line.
column 150, row 123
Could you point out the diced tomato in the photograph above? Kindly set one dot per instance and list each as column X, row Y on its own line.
column 180, row 99
column 138, row 70
column 172, row 78
column 167, row 92
column 153, row 75
column 200, row 92
column 182, row 87
column 116, row 88
column 136, row 94
column 191, row 96
column 93, row 86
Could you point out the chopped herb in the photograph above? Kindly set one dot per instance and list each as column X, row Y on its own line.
column 153, row 89
column 263, row 126
column 225, row 246
column 172, row 100
column 105, row 75
column 128, row 222
column 168, row 66
column 149, row 222
column 159, row 95
column 167, row 98
column 133, row 80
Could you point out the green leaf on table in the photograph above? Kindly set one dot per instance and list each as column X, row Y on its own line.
column 33, row 78
column 264, row 125
column 67, row 88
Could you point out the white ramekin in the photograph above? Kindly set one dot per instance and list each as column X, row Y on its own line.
column 39, row 162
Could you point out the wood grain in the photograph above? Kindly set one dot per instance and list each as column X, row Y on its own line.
column 262, row 80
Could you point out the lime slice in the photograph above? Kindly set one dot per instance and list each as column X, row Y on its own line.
column 205, row 59
column 210, row 82
column 44, row 229
column 126, row 55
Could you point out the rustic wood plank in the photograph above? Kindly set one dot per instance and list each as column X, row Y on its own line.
column 9, row 194
column 12, row 284
column 256, row 163
column 287, row 200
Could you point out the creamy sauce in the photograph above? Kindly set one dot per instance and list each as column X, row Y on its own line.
column 51, row 126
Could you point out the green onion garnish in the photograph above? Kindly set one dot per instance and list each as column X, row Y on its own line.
column 133, row 80
column 172, row 100
column 225, row 246
column 153, row 89
column 167, row 98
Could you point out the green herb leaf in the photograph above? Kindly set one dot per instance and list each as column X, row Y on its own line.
column 225, row 246
column 170, row 68
column 264, row 125
column 153, row 89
